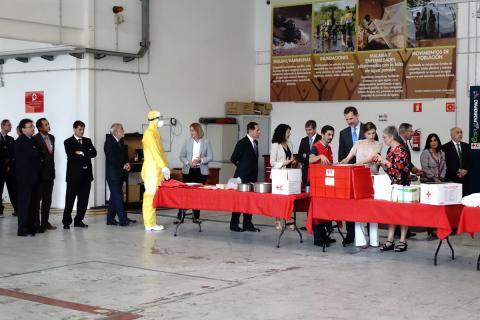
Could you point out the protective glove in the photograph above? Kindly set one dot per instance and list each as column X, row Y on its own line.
column 166, row 173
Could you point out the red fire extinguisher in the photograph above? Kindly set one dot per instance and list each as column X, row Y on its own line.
column 416, row 140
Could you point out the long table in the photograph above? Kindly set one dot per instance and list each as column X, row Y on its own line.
column 442, row 218
column 267, row 204
column 470, row 222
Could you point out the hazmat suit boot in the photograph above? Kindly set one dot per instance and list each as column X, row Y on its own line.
column 149, row 214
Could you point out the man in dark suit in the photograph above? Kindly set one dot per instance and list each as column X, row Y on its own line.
column 7, row 164
column 347, row 138
column 458, row 159
column 116, row 168
column 306, row 146
column 46, row 142
column 27, row 175
column 80, row 151
column 245, row 157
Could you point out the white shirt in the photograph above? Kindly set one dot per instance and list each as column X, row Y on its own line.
column 196, row 150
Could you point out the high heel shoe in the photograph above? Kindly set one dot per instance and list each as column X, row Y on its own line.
column 291, row 225
column 388, row 246
column 401, row 247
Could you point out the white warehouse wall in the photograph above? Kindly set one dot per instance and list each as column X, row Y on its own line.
column 202, row 54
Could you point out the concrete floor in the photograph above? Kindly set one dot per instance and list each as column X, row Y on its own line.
column 108, row 272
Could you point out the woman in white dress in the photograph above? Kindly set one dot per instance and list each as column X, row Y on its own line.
column 281, row 155
column 365, row 151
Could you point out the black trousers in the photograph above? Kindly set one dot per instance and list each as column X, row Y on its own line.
column 115, row 203
column 350, row 226
column 76, row 190
column 44, row 195
column 194, row 175
column 9, row 180
column 27, row 197
column 235, row 220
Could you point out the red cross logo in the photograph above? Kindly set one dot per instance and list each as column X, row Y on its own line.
column 279, row 187
column 428, row 194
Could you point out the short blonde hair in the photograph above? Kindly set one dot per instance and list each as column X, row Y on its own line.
column 198, row 128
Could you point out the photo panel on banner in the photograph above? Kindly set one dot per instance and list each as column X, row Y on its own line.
column 362, row 50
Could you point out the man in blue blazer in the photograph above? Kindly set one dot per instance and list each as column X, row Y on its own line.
column 116, row 168
column 347, row 138
column 245, row 157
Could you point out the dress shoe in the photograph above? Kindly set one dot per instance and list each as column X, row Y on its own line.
column 80, row 225
column 348, row 241
column 157, row 227
column 250, row 228
column 66, row 226
column 50, row 227
column 236, row 228
column 112, row 223
column 321, row 243
column 22, row 234
column 131, row 220
column 303, row 228
column 124, row 224
column 14, row 214
column 40, row 230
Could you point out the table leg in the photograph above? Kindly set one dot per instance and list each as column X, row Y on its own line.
column 478, row 263
column 451, row 248
column 436, row 253
column 184, row 213
column 199, row 225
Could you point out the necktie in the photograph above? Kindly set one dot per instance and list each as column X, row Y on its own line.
column 255, row 147
column 47, row 143
column 310, row 142
column 80, row 141
column 354, row 135
column 459, row 152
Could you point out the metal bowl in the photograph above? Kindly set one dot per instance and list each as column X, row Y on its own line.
column 245, row 187
column 262, row 187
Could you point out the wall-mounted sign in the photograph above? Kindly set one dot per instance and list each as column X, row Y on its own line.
column 34, row 102
column 417, row 107
column 450, row 107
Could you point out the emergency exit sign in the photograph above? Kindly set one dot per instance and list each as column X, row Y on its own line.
column 34, row 102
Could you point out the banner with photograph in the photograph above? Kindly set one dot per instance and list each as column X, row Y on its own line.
column 363, row 50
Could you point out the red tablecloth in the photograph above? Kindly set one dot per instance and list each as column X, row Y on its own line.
column 443, row 218
column 469, row 220
column 274, row 205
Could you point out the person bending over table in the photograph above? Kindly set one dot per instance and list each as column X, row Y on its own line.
column 281, row 156
column 365, row 151
column 195, row 155
column 397, row 165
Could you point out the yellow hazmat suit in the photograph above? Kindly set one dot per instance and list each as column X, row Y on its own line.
column 154, row 169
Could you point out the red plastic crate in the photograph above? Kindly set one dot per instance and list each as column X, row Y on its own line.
column 344, row 182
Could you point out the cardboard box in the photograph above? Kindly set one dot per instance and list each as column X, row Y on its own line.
column 133, row 193
column 264, row 108
column 441, row 194
column 239, row 108
column 382, row 187
column 405, row 194
column 286, row 181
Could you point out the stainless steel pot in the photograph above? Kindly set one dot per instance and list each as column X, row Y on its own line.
column 262, row 187
column 245, row 187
